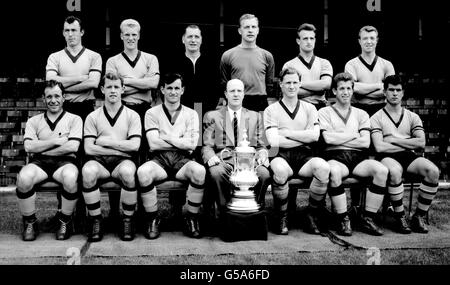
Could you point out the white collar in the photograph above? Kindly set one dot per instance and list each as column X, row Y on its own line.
column 238, row 114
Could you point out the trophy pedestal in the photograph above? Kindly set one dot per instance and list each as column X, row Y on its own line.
column 243, row 201
column 244, row 226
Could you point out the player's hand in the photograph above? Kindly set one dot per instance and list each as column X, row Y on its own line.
column 169, row 138
column 222, row 102
column 121, row 153
column 215, row 160
column 166, row 138
column 61, row 140
column 104, row 141
column 284, row 132
column 389, row 139
column 126, row 80
column 83, row 78
column 263, row 158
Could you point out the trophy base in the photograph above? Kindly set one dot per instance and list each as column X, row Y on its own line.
column 244, row 210
column 243, row 202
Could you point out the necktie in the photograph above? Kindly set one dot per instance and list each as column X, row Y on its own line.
column 235, row 129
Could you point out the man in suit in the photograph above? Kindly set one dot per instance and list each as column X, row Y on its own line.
column 224, row 128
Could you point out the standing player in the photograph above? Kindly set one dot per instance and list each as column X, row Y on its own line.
column 201, row 86
column 140, row 73
column 172, row 131
column 139, row 70
column 316, row 72
column 397, row 134
column 199, row 71
column 251, row 64
column 77, row 68
column 53, row 139
column 346, row 131
column 369, row 70
column 112, row 135
column 291, row 125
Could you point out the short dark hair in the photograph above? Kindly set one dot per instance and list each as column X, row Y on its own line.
column 393, row 80
column 53, row 83
column 111, row 76
column 305, row 27
column 169, row 78
column 71, row 19
column 288, row 71
column 367, row 29
column 343, row 76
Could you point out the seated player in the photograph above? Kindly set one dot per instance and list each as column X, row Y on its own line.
column 291, row 125
column 172, row 131
column 231, row 121
column 52, row 138
column 397, row 135
column 112, row 135
column 346, row 131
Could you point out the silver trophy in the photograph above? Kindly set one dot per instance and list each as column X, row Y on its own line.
column 243, row 177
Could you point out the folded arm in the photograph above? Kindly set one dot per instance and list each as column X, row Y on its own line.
column 90, row 83
column 39, row 146
column 277, row 140
column 338, row 138
column 409, row 143
column 383, row 146
column 303, row 136
column 361, row 141
column 66, row 81
column 314, row 86
column 148, row 82
column 91, row 148
column 128, row 145
column 156, row 142
column 368, row 88
column 70, row 146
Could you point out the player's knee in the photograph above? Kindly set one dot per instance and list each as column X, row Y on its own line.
column 127, row 174
column 335, row 172
column 198, row 173
column 395, row 174
column 89, row 171
column 143, row 175
column 432, row 173
column 381, row 173
column 263, row 174
column 24, row 182
column 70, row 176
column 321, row 170
column 280, row 178
column 335, row 176
column 217, row 171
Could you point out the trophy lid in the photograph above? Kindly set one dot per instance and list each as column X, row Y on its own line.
column 244, row 145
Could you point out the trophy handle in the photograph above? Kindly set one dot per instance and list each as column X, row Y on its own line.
column 221, row 153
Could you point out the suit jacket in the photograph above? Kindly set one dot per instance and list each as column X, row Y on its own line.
column 218, row 131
